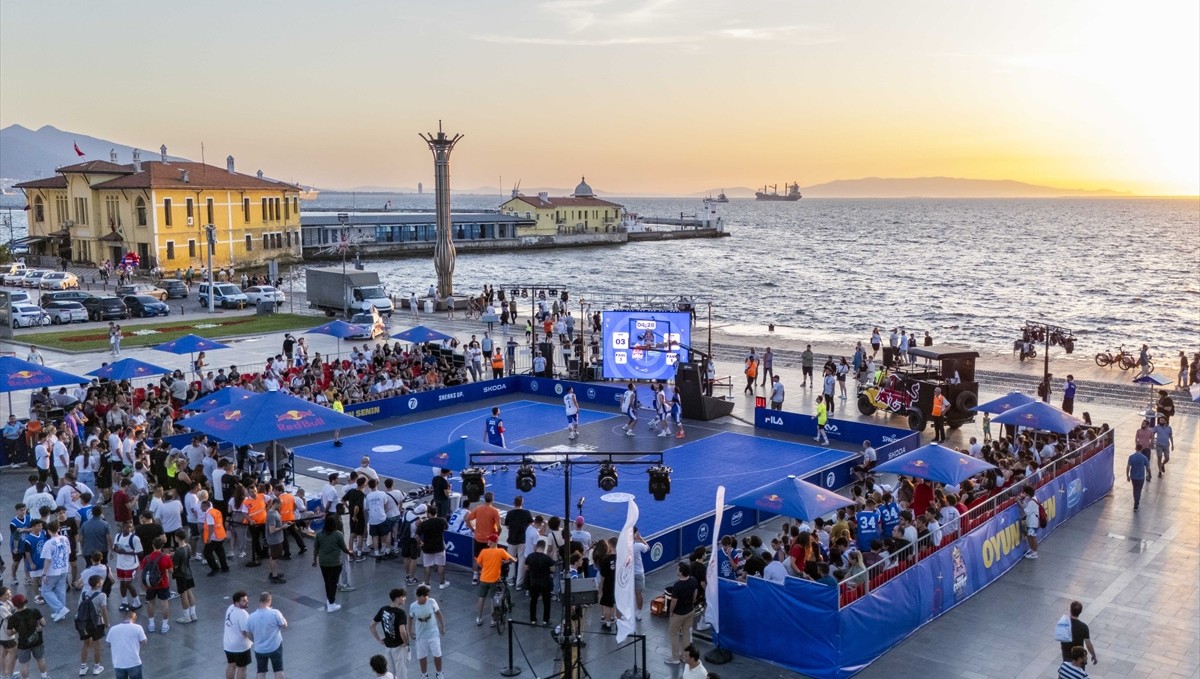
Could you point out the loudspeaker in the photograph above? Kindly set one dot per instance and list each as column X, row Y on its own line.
column 696, row 406
column 548, row 349
column 584, row 592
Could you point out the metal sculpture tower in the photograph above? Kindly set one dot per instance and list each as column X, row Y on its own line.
column 443, row 249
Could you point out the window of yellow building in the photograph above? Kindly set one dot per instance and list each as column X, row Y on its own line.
column 190, row 213
column 167, row 211
column 265, row 210
column 39, row 210
column 191, row 248
column 209, row 209
column 112, row 211
column 62, row 209
column 170, row 249
column 246, row 210
column 81, row 210
column 250, row 240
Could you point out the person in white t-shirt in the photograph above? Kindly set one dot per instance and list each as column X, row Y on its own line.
column 640, row 547
column 234, row 641
column 170, row 515
column 774, row 571
column 364, row 469
column 126, row 640
column 377, row 525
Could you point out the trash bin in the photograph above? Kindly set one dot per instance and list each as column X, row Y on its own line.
column 429, row 306
column 265, row 308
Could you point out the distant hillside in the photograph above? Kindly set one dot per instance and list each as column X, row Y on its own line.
column 31, row 154
column 943, row 187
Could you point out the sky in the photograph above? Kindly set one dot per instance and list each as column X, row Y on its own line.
column 659, row 96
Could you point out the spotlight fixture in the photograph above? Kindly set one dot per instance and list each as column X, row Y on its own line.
column 526, row 479
column 472, row 484
column 660, row 481
column 608, row 477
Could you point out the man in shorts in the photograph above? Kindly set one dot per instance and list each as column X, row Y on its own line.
column 426, row 627
column 158, row 591
column 1029, row 505
column 431, row 534
column 629, row 407
column 265, row 628
column 127, row 546
column 571, row 403
column 491, row 561
column 26, row 624
column 484, row 521
column 92, row 638
column 235, row 643
column 275, row 538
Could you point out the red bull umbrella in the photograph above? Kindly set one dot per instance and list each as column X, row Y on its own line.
column 19, row 375
column 220, row 397
column 129, row 369
column 793, row 497
column 268, row 417
column 456, row 454
column 935, row 463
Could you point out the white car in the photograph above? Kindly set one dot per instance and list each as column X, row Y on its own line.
column 28, row 316
column 371, row 322
column 15, row 277
column 264, row 293
column 19, row 297
column 59, row 280
column 66, row 312
column 32, row 277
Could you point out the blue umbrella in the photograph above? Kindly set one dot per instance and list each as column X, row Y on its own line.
column 457, row 454
column 341, row 330
column 935, row 463
column 220, row 397
column 1040, row 416
column 420, row 334
column 189, row 344
column 128, row 369
column 1004, row 403
column 267, row 417
column 1154, row 381
column 792, row 497
column 19, row 375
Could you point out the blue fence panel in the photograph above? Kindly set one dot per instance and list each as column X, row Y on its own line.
column 793, row 625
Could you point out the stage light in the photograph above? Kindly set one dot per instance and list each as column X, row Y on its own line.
column 526, row 479
column 660, row 482
column 608, row 477
column 524, row 292
column 472, row 484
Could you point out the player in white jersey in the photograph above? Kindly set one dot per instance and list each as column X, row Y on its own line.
column 571, row 403
column 660, row 411
column 629, row 407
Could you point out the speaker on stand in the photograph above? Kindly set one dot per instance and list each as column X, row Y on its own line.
column 689, row 382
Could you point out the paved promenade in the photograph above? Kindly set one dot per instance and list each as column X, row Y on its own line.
column 1136, row 574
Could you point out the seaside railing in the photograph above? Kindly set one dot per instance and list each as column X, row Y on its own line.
column 876, row 575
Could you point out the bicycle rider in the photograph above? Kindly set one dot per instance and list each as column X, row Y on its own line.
column 491, row 559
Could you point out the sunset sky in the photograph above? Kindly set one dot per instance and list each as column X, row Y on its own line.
column 664, row 96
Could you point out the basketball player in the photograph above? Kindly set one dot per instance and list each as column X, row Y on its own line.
column 493, row 429
column 629, row 407
column 571, row 403
column 660, row 411
column 677, row 413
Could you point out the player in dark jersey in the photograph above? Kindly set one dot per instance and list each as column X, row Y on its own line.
column 493, row 429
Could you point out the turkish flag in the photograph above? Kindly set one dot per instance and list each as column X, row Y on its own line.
column 77, row 151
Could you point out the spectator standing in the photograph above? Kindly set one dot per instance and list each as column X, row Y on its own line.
column 156, row 576
column 390, row 628
column 1081, row 636
column 1164, row 442
column 684, row 592
column 1073, row 668
column 265, row 628
column 1136, row 470
column 768, row 366
column 777, row 393
column 126, row 640
column 426, row 627
column 275, row 538
column 692, row 667
column 431, row 534
column 938, row 409
column 539, row 577
column 491, row 564
column 92, row 623
column 517, row 521
column 1030, row 506
column 485, row 520
column 441, row 492
column 822, row 420
column 1068, row 403
column 234, row 642
column 127, row 546
column 806, row 367
column 214, row 539
column 56, row 562
column 26, row 625
column 328, row 548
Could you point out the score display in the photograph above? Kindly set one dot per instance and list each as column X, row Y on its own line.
column 644, row 345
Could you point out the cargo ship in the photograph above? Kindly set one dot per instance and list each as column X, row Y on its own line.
column 792, row 193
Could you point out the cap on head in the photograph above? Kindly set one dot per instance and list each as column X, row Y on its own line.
column 493, row 538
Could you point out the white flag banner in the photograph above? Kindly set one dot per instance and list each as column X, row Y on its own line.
column 626, row 600
column 711, row 588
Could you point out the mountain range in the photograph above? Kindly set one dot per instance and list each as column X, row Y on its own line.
column 29, row 154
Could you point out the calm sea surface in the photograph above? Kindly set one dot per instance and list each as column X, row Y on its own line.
column 1116, row 271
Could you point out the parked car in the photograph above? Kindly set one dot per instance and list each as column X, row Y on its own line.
column 13, row 269
column 16, row 276
column 141, row 289
column 28, row 316
column 176, row 289
column 225, row 295
column 372, row 321
column 264, row 293
column 64, row 296
column 66, row 311
column 105, row 308
column 59, row 280
column 145, row 306
column 32, row 278
column 19, row 297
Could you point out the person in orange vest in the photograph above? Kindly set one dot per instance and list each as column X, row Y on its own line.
column 255, row 507
column 497, row 364
column 938, row 410
column 751, row 372
column 214, row 539
column 287, row 511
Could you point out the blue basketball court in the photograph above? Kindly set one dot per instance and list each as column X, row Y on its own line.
column 709, row 456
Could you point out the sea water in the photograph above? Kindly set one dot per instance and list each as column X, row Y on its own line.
column 970, row 271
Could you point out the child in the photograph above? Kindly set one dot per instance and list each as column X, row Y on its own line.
column 987, row 428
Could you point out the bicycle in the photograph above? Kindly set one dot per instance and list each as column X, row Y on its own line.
column 1122, row 359
column 501, row 602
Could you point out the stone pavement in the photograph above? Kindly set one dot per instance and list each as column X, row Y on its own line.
column 1136, row 575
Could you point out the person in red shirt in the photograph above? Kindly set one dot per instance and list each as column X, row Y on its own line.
column 122, row 501
column 160, row 591
column 922, row 497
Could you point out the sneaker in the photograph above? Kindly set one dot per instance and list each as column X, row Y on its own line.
column 330, row 608
column 1031, row 555
column 679, row 435
column 475, row 579
column 411, row 580
column 345, row 588
column 150, row 626
column 492, row 623
column 662, row 434
column 478, row 622
column 183, row 620
column 241, row 555
column 98, row 669
column 166, row 627
column 638, row 615
column 439, row 675
column 173, row 595
column 83, row 670
column 39, row 600
column 629, row 433
column 444, row 585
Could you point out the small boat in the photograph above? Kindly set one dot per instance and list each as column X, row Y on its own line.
column 309, row 193
column 792, row 193
column 721, row 197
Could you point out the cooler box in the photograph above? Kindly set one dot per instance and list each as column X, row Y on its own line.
column 429, row 306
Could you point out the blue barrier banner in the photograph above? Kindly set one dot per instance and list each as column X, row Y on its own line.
column 459, row 549
column 664, row 551
column 432, row 400
column 898, row 447
column 696, row 534
column 794, row 625
column 587, row 392
column 848, row 431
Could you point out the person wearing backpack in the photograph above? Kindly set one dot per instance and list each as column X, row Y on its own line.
column 1033, row 520
column 26, row 624
column 91, row 621
column 156, row 578
column 1070, row 632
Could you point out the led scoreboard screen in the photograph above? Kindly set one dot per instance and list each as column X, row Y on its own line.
column 644, row 345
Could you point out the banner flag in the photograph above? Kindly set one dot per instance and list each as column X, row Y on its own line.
column 78, row 152
column 626, row 600
column 711, row 613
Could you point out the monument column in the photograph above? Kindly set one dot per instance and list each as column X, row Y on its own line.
column 443, row 250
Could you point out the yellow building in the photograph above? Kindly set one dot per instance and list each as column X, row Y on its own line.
column 582, row 212
column 100, row 210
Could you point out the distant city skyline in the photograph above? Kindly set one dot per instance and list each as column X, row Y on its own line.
column 660, row 96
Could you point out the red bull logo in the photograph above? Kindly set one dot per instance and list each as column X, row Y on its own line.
column 772, row 501
column 29, row 378
column 441, row 457
column 821, row 497
column 294, row 420
column 232, row 415
column 294, row 415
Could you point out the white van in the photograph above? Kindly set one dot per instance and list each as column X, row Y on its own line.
column 225, row 295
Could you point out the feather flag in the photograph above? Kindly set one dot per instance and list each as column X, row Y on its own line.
column 626, row 600
column 78, row 152
column 711, row 588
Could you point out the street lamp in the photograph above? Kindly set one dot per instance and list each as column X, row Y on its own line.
column 210, row 232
